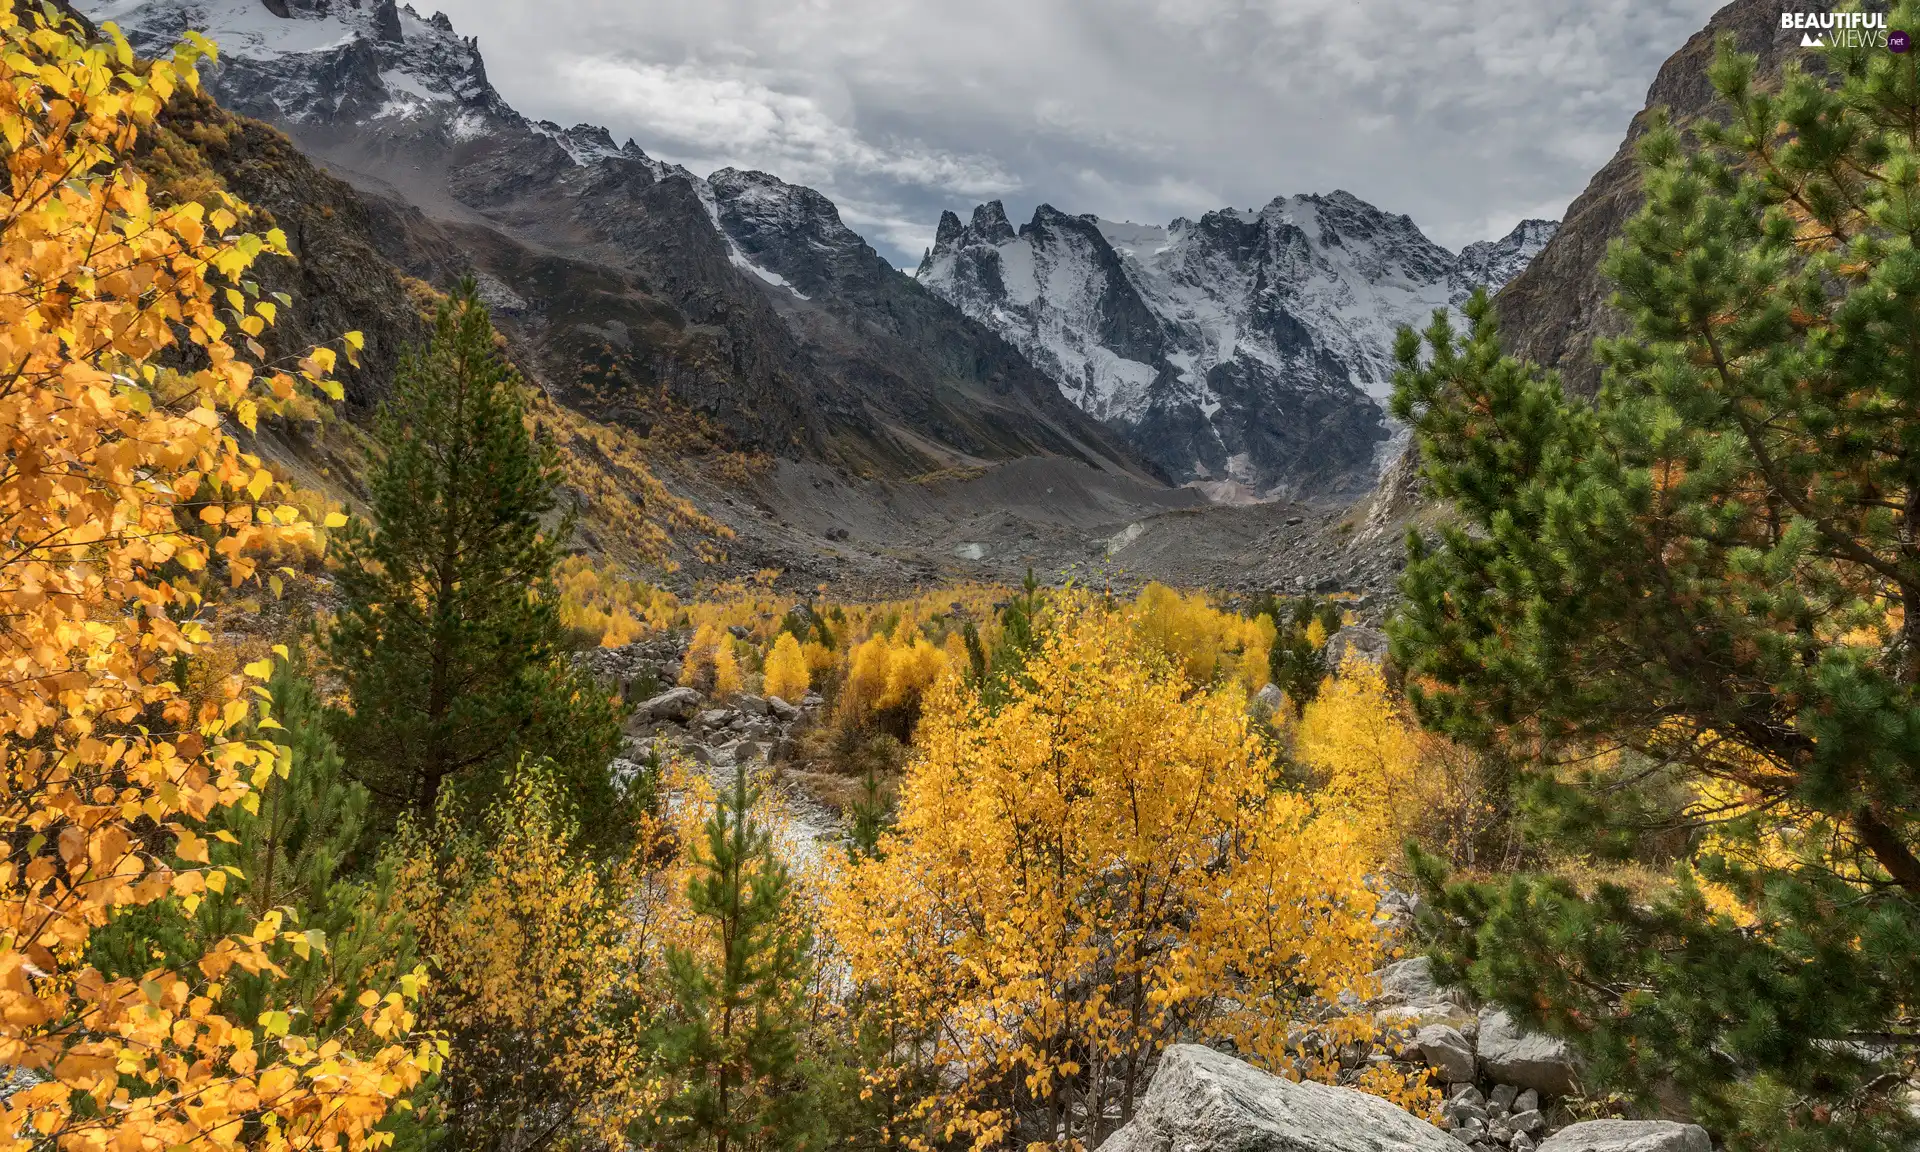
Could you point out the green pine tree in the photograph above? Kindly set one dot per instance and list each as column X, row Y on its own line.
column 449, row 638
column 300, row 851
column 1716, row 567
column 996, row 672
column 871, row 816
column 1297, row 665
column 732, row 1041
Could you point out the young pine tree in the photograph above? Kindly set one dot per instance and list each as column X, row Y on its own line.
column 299, row 852
column 1715, row 567
column 732, row 1041
column 449, row 637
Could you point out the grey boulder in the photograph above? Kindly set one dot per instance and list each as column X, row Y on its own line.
column 1446, row 1049
column 1410, row 999
column 1525, row 1059
column 673, row 704
column 781, row 709
column 1409, row 982
column 1629, row 1136
column 1203, row 1101
column 1266, row 701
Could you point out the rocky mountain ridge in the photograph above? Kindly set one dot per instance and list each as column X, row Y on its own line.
column 630, row 278
column 1552, row 311
column 1250, row 352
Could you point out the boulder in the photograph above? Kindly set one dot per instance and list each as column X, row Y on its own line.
column 782, row 710
column 674, row 704
column 1525, row 1059
column 1446, row 1049
column 1203, row 1101
column 1410, row 999
column 1629, row 1136
column 750, row 703
column 1266, row 701
column 1409, row 982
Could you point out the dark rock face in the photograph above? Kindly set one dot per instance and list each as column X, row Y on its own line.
column 337, row 278
column 919, row 363
column 1551, row 312
column 641, row 287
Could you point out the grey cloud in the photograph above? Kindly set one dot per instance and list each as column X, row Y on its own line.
column 1466, row 116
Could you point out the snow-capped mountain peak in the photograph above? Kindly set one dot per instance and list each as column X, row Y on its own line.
column 1493, row 263
column 1249, row 351
column 325, row 61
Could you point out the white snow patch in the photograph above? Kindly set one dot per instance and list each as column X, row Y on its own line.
column 734, row 255
column 1124, row 537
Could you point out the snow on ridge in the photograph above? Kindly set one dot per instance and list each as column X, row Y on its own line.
column 327, row 61
column 1298, row 299
column 310, row 67
column 704, row 190
column 238, row 27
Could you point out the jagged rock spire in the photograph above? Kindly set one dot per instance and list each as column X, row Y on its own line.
column 990, row 223
column 386, row 21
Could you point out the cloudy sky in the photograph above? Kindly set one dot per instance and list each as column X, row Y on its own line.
column 1468, row 116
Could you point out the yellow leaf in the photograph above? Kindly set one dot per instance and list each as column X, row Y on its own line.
column 234, row 712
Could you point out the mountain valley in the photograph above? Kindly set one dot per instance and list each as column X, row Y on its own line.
column 1179, row 388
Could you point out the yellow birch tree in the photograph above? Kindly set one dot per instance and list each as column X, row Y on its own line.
column 1090, row 870
column 118, row 367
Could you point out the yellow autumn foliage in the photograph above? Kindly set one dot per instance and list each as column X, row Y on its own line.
column 727, row 680
column 890, row 674
column 786, row 675
column 118, row 476
column 696, row 669
column 1206, row 641
column 1093, row 869
column 599, row 601
column 538, row 980
column 1355, row 735
column 1392, row 779
column 820, row 661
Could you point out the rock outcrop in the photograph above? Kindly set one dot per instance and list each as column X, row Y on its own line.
column 1203, row 1101
column 1505, row 1086
column 1551, row 312
column 1528, row 1059
column 1629, row 1136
